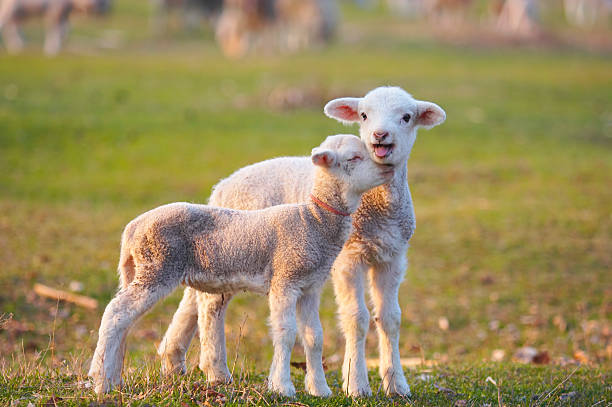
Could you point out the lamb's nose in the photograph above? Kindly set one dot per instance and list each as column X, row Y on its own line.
column 380, row 135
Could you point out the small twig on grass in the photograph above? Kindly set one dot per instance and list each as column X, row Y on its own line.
column 236, row 353
column 550, row 393
column 238, row 343
column 499, row 397
column 261, row 396
column 52, row 338
column 81, row 300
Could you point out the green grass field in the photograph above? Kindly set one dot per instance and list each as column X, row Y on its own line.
column 513, row 200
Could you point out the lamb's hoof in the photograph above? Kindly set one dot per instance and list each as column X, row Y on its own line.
column 397, row 385
column 357, row 391
column 215, row 378
column 102, row 385
column 170, row 368
column 398, row 390
column 320, row 391
column 284, row 389
column 317, row 386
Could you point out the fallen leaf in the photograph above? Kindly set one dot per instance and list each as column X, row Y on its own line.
column 443, row 323
column 581, row 356
column 541, row 358
column 498, row 355
column 460, row 403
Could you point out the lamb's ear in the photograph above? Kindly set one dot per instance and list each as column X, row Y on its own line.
column 344, row 110
column 429, row 114
column 323, row 157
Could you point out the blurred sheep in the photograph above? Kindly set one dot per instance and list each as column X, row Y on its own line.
column 55, row 14
column 585, row 13
column 518, row 17
column 287, row 25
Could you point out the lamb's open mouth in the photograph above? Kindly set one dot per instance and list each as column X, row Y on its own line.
column 383, row 150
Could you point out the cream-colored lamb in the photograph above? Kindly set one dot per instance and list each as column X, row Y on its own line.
column 285, row 251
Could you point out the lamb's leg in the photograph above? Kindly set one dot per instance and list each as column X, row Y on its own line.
column 54, row 38
column 385, row 281
column 311, row 334
column 283, row 330
column 123, row 310
column 12, row 38
column 348, row 278
column 211, row 324
column 181, row 330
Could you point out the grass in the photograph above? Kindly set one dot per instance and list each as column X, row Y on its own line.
column 514, row 240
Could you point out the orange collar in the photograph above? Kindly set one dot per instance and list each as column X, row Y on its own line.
column 325, row 206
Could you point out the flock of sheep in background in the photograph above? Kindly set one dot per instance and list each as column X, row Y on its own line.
column 243, row 26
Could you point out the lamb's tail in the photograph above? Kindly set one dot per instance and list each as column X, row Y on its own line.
column 127, row 267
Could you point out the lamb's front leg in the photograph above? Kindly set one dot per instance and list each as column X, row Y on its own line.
column 348, row 278
column 385, row 280
column 311, row 334
column 283, row 330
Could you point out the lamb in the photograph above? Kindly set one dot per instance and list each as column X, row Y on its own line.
column 389, row 118
column 284, row 251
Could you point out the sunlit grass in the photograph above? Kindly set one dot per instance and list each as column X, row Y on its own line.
column 514, row 239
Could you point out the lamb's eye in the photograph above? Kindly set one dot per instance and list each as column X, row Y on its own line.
column 356, row 158
column 364, row 116
column 406, row 118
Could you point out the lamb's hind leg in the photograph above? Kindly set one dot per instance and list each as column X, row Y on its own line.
column 311, row 334
column 385, row 280
column 211, row 323
column 123, row 310
column 181, row 330
column 348, row 278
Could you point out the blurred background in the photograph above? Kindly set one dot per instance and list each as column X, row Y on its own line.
column 110, row 108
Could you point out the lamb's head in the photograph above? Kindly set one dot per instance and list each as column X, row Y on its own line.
column 345, row 158
column 388, row 118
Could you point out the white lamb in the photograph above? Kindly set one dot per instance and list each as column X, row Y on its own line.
column 285, row 251
column 389, row 118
